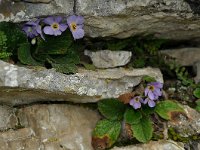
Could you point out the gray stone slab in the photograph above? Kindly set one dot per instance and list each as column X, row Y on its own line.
column 23, row 11
column 94, row 85
column 154, row 145
column 108, row 58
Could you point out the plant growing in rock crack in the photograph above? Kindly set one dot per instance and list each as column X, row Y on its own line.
column 48, row 42
column 134, row 114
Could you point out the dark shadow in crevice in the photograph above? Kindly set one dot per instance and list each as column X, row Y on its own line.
column 195, row 5
column 92, row 106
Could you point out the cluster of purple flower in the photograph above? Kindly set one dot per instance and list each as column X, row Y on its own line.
column 151, row 93
column 54, row 26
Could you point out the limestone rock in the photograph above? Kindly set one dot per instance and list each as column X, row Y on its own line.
column 184, row 56
column 7, row 118
column 19, row 139
column 23, row 11
column 169, row 19
column 64, row 126
column 94, row 85
column 186, row 125
column 154, row 145
column 108, row 58
column 54, row 127
column 197, row 69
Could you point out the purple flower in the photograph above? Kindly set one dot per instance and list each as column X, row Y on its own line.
column 55, row 27
column 150, row 102
column 136, row 102
column 75, row 24
column 153, row 90
column 33, row 29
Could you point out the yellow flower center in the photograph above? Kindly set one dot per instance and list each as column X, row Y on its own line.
column 151, row 88
column 73, row 26
column 55, row 26
column 137, row 99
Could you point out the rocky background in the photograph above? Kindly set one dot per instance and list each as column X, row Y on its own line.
column 43, row 109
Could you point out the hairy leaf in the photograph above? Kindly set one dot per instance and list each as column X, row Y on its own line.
column 111, row 108
column 24, row 55
column 132, row 116
column 196, row 92
column 15, row 36
column 143, row 130
column 198, row 105
column 167, row 108
column 56, row 45
column 148, row 79
column 105, row 133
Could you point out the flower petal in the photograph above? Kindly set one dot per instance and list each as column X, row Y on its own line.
column 151, row 103
column 157, row 92
column 78, row 34
column 146, row 100
column 63, row 27
column 146, row 91
column 39, row 29
column 58, row 19
column 48, row 30
column 49, row 20
column 137, row 105
column 79, row 20
column 132, row 101
column 57, row 32
column 151, row 95
column 26, row 28
column 157, row 84
column 71, row 19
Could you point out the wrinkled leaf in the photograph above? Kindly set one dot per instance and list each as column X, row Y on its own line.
column 24, row 55
column 139, row 62
column 148, row 79
column 105, row 134
column 198, row 105
column 167, row 108
column 143, row 130
column 56, row 45
column 112, row 108
column 65, row 68
column 148, row 110
column 15, row 36
column 196, row 92
column 132, row 116
column 65, row 63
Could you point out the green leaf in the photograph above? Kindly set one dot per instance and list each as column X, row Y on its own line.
column 196, row 92
column 111, row 108
column 65, row 68
column 24, row 55
column 108, row 131
column 132, row 116
column 147, row 79
column 88, row 66
column 148, row 110
column 143, row 130
column 139, row 62
column 198, row 105
column 119, row 44
column 56, row 45
column 65, row 63
column 166, row 109
column 15, row 36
